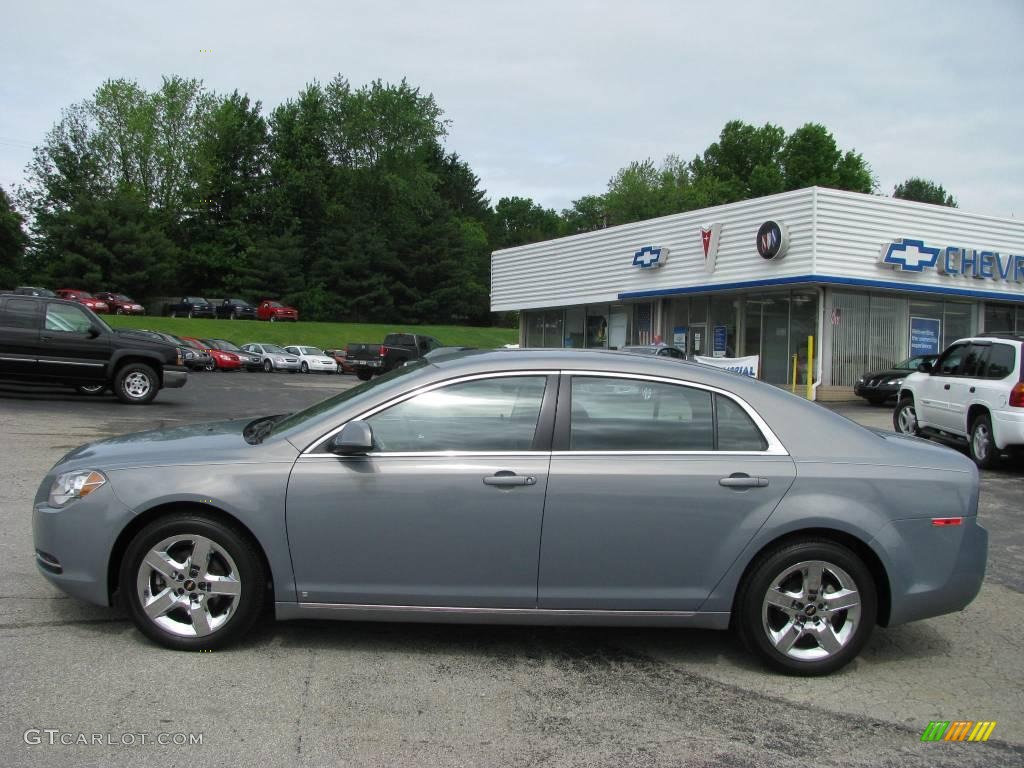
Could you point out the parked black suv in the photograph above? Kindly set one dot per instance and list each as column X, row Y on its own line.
column 191, row 306
column 52, row 341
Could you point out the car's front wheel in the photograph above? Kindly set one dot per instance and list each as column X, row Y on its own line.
column 192, row 582
column 807, row 607
column 981, row 445
column 90, row 389
column 904, row 418
column 305, row 367
column 273, row 318
column 268, row 366
column 136, row 384
column 364, row 375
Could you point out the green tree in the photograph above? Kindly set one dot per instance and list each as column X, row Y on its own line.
column 743, row 163
column 519, row 220
column 923, row 191
column 810, row 157
column 13, row 241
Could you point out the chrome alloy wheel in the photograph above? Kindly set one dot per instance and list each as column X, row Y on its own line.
column 188, row 585
column 981, row 441
column 907, row 419
column 137, row 384
column 811, row 611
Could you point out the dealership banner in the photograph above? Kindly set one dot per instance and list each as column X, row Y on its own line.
column 746, row 366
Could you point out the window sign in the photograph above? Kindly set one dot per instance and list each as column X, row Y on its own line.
column 679, row 336
column 924, row 336
column 719, row 341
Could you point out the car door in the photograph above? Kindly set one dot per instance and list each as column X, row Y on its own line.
column 71, row 345
column 655, row 488
column 932, row 394
column 445, row 511
column 19, row 337
column 961, row 389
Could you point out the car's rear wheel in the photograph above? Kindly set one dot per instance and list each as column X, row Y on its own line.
column 807, row 607
column 233, row 315
column 981, row 445
column 119, row 311
column 904, row 418
column 189, row 315
column 136, row 383
column 174, row 313
column 90, row 389
column 192, row 582
column 268, row 366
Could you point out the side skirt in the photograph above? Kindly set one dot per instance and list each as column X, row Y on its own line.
column 534, row 616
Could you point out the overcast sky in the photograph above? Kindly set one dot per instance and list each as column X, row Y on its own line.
column 549, row 99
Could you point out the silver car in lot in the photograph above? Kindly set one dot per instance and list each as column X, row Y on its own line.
column 274, row 357
column 525, row 486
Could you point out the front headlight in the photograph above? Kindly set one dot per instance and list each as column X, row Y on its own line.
column 279, row 360
column 897, row 382
column 75, row 485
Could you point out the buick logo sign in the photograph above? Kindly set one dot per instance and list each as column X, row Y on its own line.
column 772, row 240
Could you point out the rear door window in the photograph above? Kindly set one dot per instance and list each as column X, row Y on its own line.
column 1001, row 361
column 20, row 313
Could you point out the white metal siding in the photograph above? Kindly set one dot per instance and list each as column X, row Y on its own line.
column 596, row 267
column 851, row 229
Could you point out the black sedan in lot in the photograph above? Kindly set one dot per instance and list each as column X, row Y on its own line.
column 192, row 306
column 236, row 309
column 879, row 386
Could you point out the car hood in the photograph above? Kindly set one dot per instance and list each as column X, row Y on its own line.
column 212, row 443
column 889, row 373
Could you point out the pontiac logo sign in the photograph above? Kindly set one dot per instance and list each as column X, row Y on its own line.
column 650, row 257
column 772, row 240
column 709, row 237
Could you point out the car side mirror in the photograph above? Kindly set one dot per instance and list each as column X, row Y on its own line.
column 355, row 438
column 924, row 367
column 93, row 332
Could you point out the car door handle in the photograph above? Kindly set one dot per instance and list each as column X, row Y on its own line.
column 971, row 390
column 946, row 386
column 741, row 480
column 509, row 479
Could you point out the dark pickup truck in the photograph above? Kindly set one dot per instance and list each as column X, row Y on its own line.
column 53, row 341
column 191, row 306
column 369, row 360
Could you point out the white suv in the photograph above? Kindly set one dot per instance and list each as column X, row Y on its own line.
column 974, row 391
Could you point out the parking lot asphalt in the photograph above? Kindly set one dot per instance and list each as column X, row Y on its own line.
column 306, row 693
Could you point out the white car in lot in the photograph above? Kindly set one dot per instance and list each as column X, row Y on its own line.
column 973, row 392
column 313, row 359
column 274, row 357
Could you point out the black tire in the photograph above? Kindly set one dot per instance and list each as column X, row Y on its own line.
column 91, row 389
column 174, row 313
column 273, row 318
column 305, row 368
column 243, row 561
column 268, row 366
column 980, row 444
column 233, row 315
column 876, row 401
column 129, row 384
column 753, row 618
column 189, row 315
column 210, row 366
column 364, row 375
column 119, row 311
column 904, row 418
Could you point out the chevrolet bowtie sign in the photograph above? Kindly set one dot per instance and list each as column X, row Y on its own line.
column 650, row 257
column 908, row 255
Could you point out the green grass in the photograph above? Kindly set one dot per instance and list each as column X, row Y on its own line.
column 323, row 335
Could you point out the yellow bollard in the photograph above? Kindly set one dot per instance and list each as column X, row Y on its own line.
column 792, row 385
column 810, row 367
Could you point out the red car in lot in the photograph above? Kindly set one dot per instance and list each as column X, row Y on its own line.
column 85, row 298
column 275, row 311
column 341, row 358
column 120, row 304
column 220, row 360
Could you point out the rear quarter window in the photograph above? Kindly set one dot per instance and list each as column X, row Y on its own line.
column 1001, row 361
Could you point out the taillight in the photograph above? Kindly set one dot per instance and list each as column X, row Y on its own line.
column 383, row 351
column 942, row 522
column 1017, row 395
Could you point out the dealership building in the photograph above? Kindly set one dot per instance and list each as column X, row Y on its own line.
column 871, row 280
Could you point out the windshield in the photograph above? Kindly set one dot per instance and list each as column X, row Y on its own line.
column 121, row 297
column 273, row 349
column 239, row 302
column 227, row 346
column 310, row 351
column 302, row 417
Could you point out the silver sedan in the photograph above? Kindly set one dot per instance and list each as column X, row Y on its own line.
column 525, row 486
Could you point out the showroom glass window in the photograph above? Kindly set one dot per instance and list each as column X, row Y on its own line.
column 65, row 318
column 494, row 414
column 616, row 414
column 597, row 327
